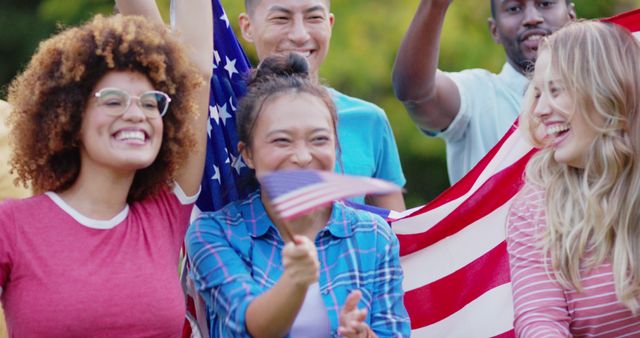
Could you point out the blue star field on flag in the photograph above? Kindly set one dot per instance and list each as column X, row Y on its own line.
column 224, row 169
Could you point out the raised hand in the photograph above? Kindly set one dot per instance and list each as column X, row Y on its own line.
column 300, row 260
column 431, row 98
column 351, row 319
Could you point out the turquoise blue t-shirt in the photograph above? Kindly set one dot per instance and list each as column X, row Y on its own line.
column 367, row 145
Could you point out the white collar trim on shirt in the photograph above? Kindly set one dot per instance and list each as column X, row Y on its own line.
column 513, row 78
column 117, row 219
column 182, row 196
column 86, row 221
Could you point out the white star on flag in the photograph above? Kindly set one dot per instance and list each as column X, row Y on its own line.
column 236, row 163
column 216, row 59
column 227, row 160
column 231, row 67
column 216, row 174
column 225, row 19
column 214, row 114
column 224, row 113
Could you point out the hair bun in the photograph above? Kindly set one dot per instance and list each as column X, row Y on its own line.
column 292, row 64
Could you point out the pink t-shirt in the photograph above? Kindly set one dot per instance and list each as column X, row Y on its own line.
column 65, row 275
column 542, row 307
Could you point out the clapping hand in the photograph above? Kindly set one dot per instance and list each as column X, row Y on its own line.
column 352, row 324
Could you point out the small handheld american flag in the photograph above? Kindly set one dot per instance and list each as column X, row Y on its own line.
column 295, row 192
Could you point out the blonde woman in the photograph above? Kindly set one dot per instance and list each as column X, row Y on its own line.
column 574, row 231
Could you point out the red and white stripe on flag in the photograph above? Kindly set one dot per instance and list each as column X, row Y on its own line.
column 453, row 250
column 296, row 192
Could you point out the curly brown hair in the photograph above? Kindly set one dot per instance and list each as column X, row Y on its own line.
column 50, row 97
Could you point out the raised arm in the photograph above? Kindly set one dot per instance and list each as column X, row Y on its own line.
column 193, row 19
column 194, row 27
column 431, row 98
column 146, row 8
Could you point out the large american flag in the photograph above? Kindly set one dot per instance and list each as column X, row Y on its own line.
column 225, row 172
column 453, row 249
column 225, row 175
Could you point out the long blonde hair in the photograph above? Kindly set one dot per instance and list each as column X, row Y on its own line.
column 593, row 213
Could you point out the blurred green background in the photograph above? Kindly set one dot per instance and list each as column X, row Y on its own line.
column 366, row 36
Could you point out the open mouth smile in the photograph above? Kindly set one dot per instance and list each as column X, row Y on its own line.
column 131, row 136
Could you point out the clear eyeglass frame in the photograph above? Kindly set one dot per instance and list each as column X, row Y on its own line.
column 116, row 102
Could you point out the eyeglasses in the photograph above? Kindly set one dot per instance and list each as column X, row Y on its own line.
column 116, row 101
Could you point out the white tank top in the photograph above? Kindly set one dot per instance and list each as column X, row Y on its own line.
column 313, row 319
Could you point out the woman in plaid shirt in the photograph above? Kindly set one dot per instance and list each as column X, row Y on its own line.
column 332, row 272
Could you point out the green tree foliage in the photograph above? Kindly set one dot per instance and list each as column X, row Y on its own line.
column 365, row 38
column 24, row 23
column 20, row 32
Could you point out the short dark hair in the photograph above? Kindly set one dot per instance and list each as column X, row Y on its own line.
column 250, row 4
column 493, row 6
column 277, row 75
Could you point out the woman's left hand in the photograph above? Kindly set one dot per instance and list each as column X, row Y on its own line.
column 352, row 324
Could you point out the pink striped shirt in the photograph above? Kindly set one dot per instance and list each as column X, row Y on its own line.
column 542, row 307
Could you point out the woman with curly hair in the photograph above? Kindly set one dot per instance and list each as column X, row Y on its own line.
column 574, row 230
column 109, row 127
